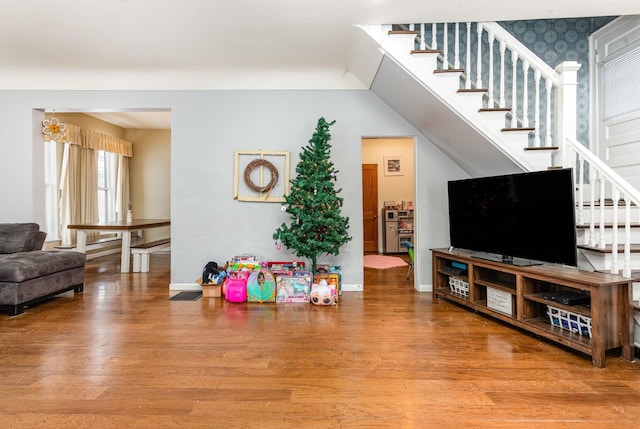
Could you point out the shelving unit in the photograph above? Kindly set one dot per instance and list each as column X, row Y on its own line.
column 516, row 295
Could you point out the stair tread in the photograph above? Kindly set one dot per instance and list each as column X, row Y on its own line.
column 426, row 51
column 518, row 129
column 495, row 109
column 608, row 202
column 606, row 225
column 448, row 71
column 542, row 148
column 473, row 90
column 634, row 248
column 392, row 32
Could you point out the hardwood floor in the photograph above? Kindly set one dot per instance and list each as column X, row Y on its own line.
column 121, row 355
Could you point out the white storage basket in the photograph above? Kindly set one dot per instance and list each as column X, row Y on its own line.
column 573, row 322
column 459, row 286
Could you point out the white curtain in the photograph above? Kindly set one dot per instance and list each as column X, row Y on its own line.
column 79, row 179
column 123, row 200
column 69, row 212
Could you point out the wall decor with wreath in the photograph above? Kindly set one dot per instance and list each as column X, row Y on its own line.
column 261, row 176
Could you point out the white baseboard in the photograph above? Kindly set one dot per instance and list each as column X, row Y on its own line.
column 352, row 288
column 345, row 287
column 185, row 286
column 424, row 288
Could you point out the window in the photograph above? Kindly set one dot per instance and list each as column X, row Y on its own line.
column 51, row 191
column 107, row 168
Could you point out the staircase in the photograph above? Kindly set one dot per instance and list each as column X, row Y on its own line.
column 512, row 113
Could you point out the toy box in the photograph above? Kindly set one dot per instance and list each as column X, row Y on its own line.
column 333, row 269
column 235, row 287
column 261, row 286
column 210, row 290
column 333, row 281
column 280, row 267
column 293, row 288
column 322, row 294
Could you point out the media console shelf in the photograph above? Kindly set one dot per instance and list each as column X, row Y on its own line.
column 520, row 296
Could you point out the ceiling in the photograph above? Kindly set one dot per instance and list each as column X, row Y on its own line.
column 215, row 44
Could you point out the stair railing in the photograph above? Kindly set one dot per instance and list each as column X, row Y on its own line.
column 536, row 93
column 553, row 117
column 604, row 183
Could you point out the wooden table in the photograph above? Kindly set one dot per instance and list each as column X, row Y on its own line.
column 123, row 227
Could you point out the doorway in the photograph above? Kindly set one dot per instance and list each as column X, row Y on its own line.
column 614, row 70
column 388, row 179
column 149, row 170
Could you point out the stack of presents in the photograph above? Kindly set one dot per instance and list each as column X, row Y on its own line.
column 250, row 279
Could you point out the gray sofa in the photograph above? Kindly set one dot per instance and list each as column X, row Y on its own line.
column 29, row 274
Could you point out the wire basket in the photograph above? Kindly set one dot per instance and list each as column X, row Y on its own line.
column 459, row 286
column 573, row 322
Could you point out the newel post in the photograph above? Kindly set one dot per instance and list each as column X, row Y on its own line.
column 566, row 110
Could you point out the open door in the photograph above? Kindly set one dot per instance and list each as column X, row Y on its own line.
column 370, row 207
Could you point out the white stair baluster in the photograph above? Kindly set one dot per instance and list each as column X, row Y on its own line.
column 503, row 49
column 627, row 238
column 491, row 38
column 592, row 207
column 547, row 139
column 434, row 33
column 525, row 94
column 456, row 54
column 514, row 97
column 580, row 180
column 479, row 58
column 602, row 243
column 614, row 239
column 445, row 45
column 536, row 109
column 467, row 65
column 422, row 37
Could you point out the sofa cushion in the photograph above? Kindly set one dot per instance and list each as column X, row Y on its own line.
column 17, row 237
column 18, row 267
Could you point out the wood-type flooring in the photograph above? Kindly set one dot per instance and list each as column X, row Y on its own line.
column 121, row 355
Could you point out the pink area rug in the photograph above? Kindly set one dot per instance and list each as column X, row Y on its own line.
column 383, row 262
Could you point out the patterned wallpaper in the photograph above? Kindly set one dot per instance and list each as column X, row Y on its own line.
column 558, row 40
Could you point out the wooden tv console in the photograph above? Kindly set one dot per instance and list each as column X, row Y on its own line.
column 515, row 295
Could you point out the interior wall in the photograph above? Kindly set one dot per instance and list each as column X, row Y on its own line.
column 150, row 178
column 391, row 187
column 207, row 126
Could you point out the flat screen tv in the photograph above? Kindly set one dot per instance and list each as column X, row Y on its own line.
column 523, row 219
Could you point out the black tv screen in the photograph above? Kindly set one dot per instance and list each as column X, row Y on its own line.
column 527, row 216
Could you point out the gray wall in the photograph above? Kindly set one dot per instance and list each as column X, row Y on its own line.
column 207, row 126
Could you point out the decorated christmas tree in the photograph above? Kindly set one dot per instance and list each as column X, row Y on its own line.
column 317, row 226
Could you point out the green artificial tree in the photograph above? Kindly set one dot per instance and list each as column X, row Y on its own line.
column 317, row 226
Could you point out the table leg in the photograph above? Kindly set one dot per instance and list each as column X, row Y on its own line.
column 81, row 241
column 125, row 254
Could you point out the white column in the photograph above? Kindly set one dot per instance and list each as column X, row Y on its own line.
column 81, row 241
column 566, row 100
column 125, row 253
